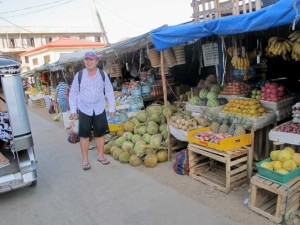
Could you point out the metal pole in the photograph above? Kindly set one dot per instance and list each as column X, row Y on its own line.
column 101, row 24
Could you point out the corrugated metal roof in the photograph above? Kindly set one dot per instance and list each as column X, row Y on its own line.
column 66, row 43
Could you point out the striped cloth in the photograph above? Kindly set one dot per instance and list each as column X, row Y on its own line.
column 61, row 90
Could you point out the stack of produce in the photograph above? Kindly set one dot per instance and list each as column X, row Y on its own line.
column 295, row 39
column 144, row 139
column 221, row 128
column 278, row 46
column 289, row 127
column 187, row 122
column 283, row 161
column 273, row 92
column 236, row 88
column 245, row 107
column 209, row 97
column 32, row 91
column 256, row 94
column 240, row 63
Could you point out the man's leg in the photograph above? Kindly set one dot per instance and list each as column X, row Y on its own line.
column 100, row 147
column 84, row 145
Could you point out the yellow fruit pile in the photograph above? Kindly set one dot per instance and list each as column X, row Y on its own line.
column 32, row 91
column 245, row 107
column 283, row 161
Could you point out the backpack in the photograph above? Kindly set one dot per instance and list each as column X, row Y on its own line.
column 181, row 165
column 80, row 77
column 73, row 137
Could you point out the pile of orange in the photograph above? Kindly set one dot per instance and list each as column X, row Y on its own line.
column 245, row 107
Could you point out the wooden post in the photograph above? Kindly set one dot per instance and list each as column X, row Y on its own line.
column 164, row 83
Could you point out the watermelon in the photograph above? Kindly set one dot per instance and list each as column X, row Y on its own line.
column 212, row 95
column 213, row 103
column 215, row 88
column 203, row 93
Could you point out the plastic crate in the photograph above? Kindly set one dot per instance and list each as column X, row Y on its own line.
column 226, row 144
column 116, row 127
column 274, row 175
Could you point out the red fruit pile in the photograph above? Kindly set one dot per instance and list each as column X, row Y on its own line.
column 273, row 92
column 289, row 128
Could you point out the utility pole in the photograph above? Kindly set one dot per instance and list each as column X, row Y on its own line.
column 101, row 24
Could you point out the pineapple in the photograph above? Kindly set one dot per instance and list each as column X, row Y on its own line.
column 215, row 125
column 243, row 124
column 224, row 126
column 232, row 128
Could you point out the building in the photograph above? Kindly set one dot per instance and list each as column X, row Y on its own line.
column 14, row 41
column 50, row 52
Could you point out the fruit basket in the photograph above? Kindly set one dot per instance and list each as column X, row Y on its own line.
column 278, row 105
column 284, row 137
column 226, row 144
column 274, row 175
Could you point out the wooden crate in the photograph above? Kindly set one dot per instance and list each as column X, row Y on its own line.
column 210, row 9
column 223, row 170
column 40, row 103
column 274, row 200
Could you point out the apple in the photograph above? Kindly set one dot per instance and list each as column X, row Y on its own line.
column 257, row 97
column 254, row 92
column 264, row 89
column 258, row 92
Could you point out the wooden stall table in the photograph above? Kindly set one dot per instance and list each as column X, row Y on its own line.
column 224, row 170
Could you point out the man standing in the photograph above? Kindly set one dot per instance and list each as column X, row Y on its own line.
column 87, row 95
column 62, row 96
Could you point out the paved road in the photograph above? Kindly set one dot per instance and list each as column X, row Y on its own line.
column 110, row 195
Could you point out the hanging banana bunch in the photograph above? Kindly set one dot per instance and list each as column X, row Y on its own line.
column 240, row 63
column 278, row 46
column 295, row 39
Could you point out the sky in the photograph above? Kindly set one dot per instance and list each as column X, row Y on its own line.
column 121, row 18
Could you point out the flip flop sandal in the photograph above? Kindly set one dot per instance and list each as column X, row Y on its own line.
column 86, row 166
column 104, row 161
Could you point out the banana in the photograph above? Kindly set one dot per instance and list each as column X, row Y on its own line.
column 288, row 45
column 272, row 40
column 294, row 36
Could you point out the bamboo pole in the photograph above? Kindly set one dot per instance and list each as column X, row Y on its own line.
column 164, row 83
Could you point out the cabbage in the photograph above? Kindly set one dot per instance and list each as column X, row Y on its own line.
column 129, row 126
column 127, row 145
column 136, row 138
column 139, row 148
column 152, row 128
column 156, row 140
column 141, row 116
column 150, row 160
column 163, row 127
column 120, row 141
column 128, row 136
column 146, row 138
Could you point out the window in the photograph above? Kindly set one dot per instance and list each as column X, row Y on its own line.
column 30, row 42
column 26, row 59
column 35, row 61
column 12, row 43
column 97, row 39
column 46, row 58
column 48, row 39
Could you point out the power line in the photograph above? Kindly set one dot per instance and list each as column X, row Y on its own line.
column 36, row 6
column 39, row 10
column 16, row 25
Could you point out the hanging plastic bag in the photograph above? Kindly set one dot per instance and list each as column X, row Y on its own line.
column 66, row 120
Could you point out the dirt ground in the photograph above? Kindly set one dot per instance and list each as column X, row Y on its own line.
column 229, row 205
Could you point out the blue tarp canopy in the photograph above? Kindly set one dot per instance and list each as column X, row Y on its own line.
column 280, row 13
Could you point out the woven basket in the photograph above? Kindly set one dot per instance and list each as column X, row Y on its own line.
column 154, row 57
column 169, row 57
column 116, row 70
column 179, row 54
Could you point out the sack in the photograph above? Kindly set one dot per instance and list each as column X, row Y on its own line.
column 181, row 165
column 73, row 138
column 66, row 120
